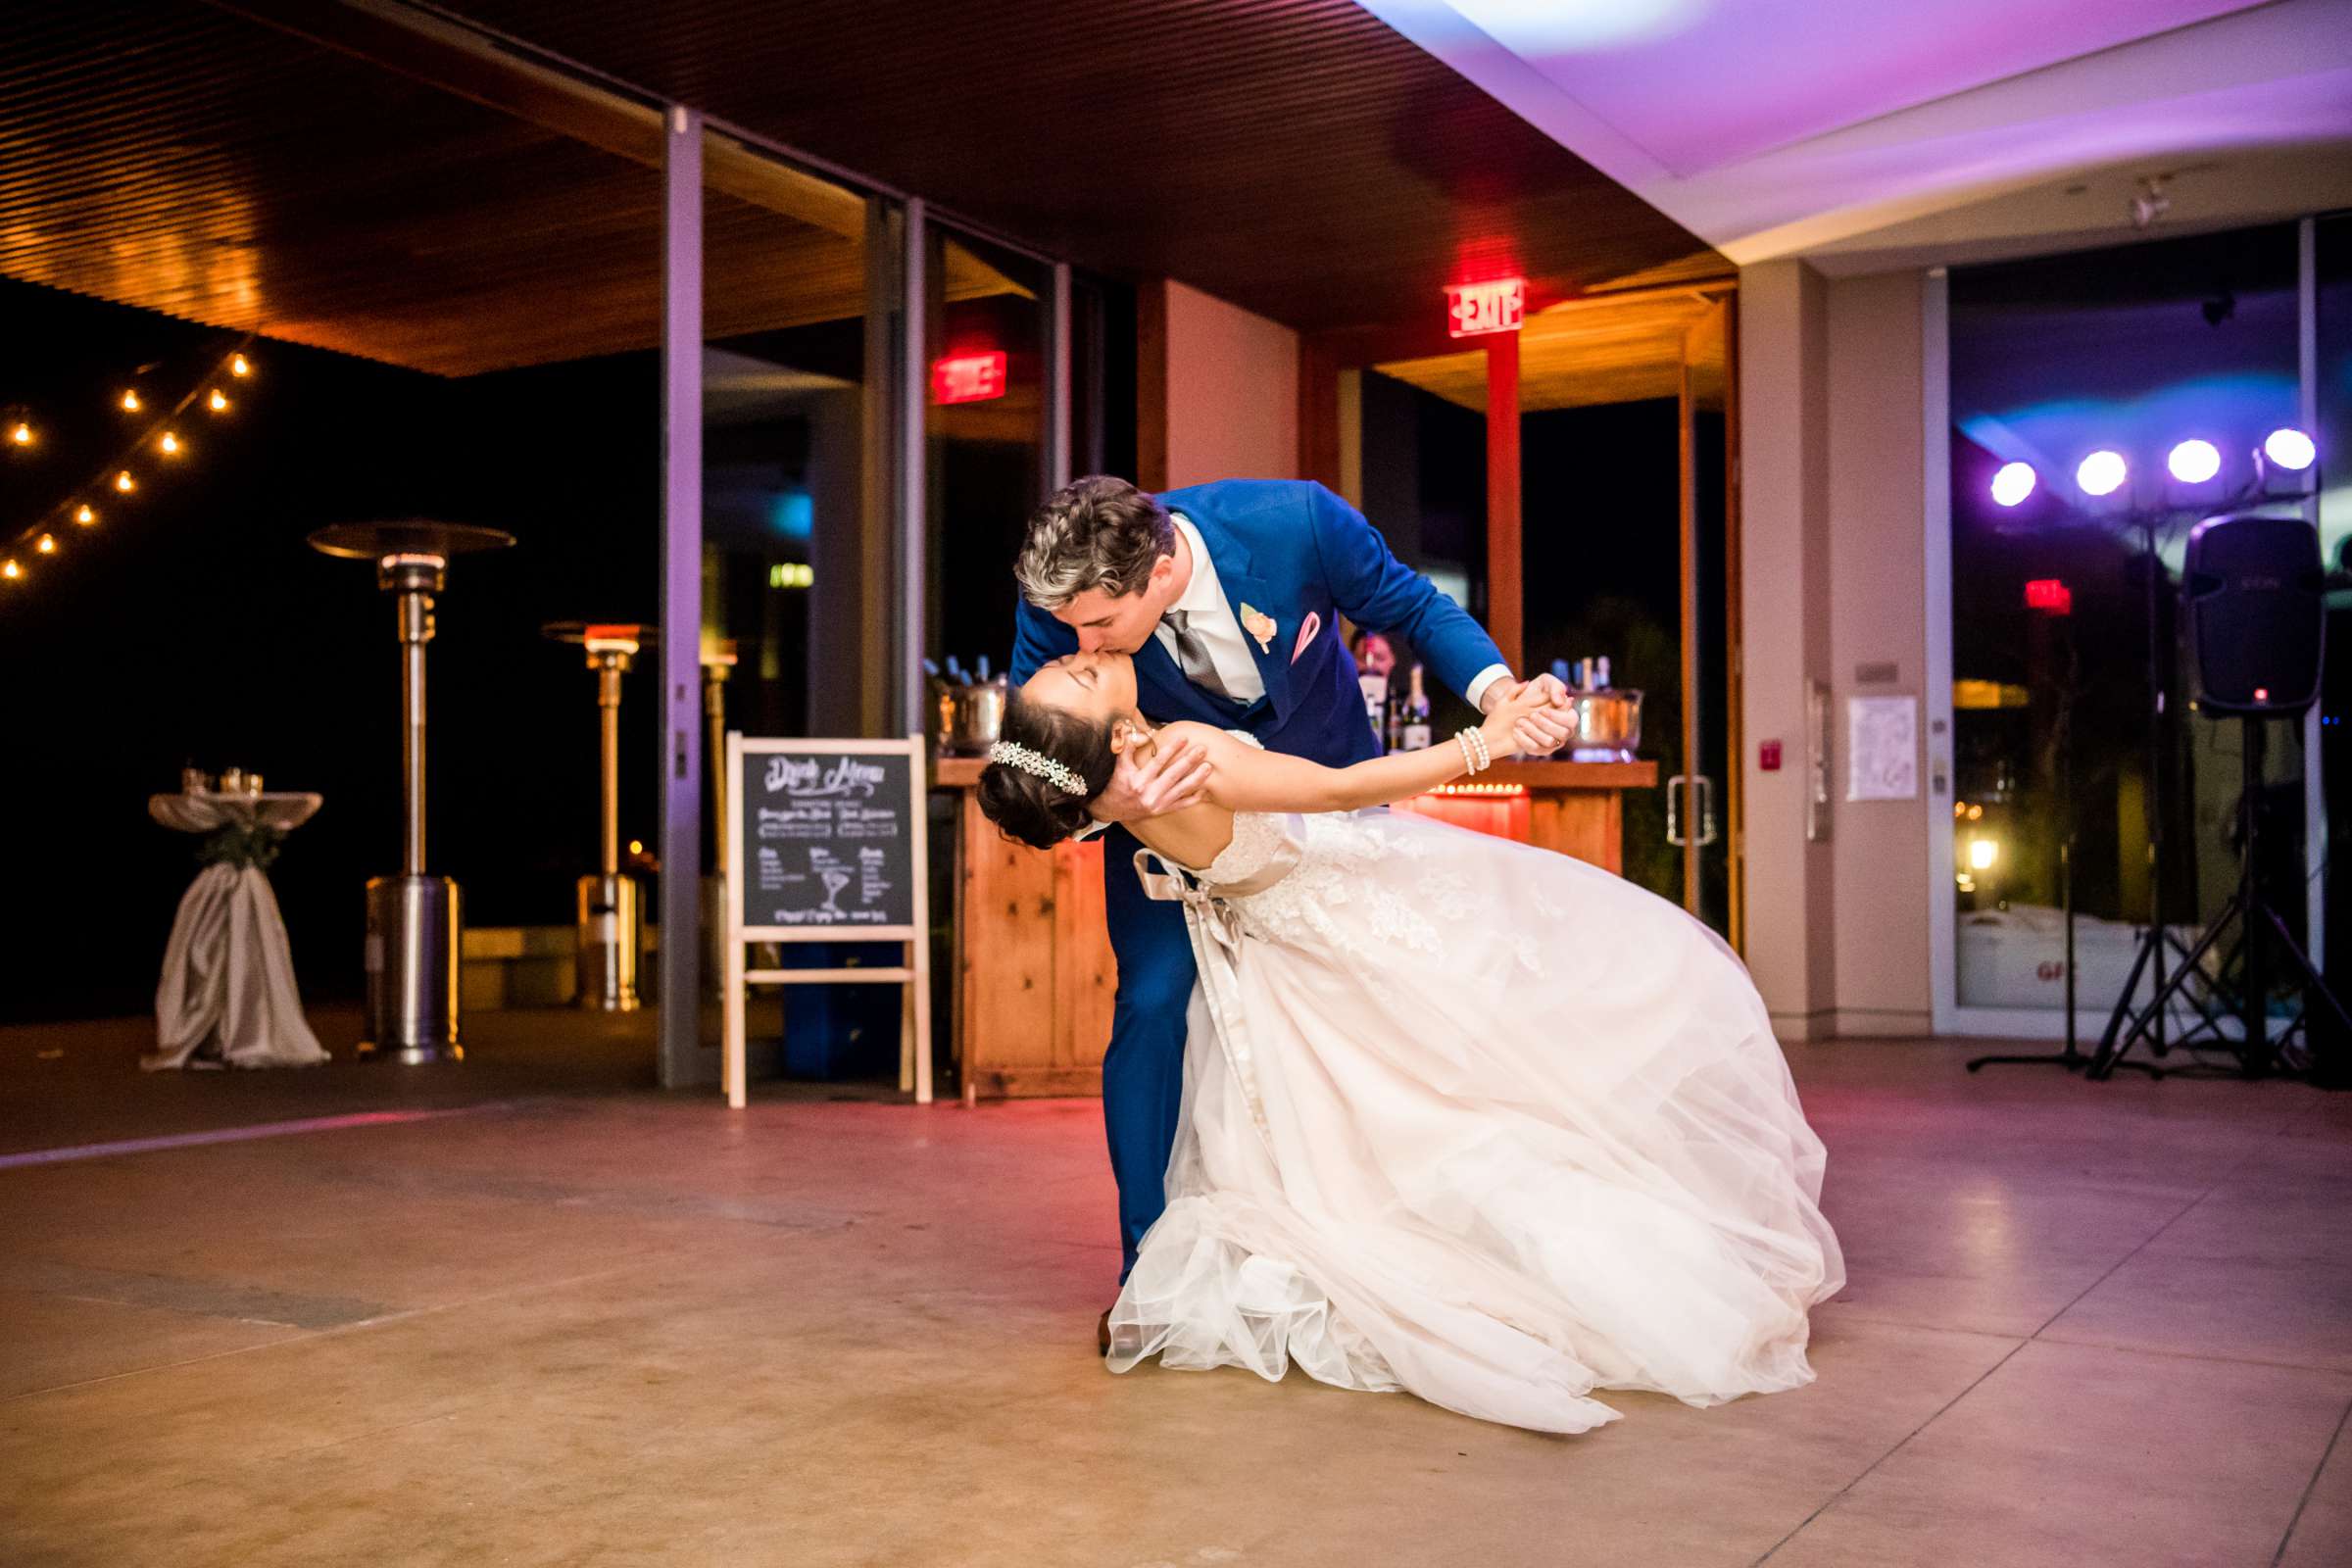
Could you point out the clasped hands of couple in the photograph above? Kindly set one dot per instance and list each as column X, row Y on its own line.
column 1174, row 774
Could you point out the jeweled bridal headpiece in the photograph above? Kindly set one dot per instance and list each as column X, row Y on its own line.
column 1012, row 754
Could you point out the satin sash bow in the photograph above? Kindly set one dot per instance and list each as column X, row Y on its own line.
column 1215, row 927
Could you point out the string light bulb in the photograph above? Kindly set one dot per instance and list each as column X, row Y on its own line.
column 86, row 513
column 239, row 364
column 130, row 401
column 171, row 443
column 20, row 433
column 47, row 544
column 124, row 482
column 11, row 571
column 217, row 402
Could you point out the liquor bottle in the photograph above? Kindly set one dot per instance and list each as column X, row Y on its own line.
column 1416, row 734
column 1375, row 688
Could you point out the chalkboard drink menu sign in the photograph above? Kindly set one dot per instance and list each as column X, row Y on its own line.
column 828, row 839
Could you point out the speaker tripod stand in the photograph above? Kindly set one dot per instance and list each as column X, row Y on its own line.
column 2150, row 958
column 2258, row 925
column 2072, row 1058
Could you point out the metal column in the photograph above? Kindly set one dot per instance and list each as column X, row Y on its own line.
column 1057, row 382
column 416, row 587
column 682, row 1059
column 2307, row 417
column 1506, row 606
column 914, row 458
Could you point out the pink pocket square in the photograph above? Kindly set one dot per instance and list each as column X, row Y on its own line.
column 1306, row 634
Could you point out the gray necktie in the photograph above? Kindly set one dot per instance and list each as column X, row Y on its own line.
column 1192, row 653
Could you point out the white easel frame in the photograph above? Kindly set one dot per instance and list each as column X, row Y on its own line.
column 913, row 972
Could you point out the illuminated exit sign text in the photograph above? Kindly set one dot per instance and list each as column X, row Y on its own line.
column 2050, row 595
column 1473, row 310
column 968, row 378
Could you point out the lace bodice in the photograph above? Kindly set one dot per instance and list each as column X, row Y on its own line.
column 1258, row 838
column 1285, row 876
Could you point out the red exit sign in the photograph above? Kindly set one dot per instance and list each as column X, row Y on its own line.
column 2050, row 595
column 968, row 378
column 1475, row 308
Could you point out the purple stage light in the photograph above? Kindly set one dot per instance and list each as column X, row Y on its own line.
column 2013, row 483
column 2193, row 461
column 2102, row 473
column 2289, row 449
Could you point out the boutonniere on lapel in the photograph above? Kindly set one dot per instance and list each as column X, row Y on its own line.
column 1260, row 626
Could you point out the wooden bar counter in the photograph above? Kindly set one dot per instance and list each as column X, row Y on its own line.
column 1034, row 972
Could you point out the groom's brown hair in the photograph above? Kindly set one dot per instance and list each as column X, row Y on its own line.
column 1094, row 532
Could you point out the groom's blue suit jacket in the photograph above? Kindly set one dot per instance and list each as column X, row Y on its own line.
column 1293, row 551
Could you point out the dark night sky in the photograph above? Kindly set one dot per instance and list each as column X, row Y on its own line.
column 195, row 623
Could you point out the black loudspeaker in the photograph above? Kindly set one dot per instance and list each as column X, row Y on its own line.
column 2257, row 605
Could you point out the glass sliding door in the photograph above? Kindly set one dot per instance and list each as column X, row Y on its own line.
column 2081, row 772
column 1707, row 808
column 795, row 575
column 2328, row 395
column 1628, row 552
column 797, row 600
column 988, row 322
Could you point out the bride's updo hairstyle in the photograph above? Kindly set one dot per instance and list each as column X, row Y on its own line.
column 1034, row 810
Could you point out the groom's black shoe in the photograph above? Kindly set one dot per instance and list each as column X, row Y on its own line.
column 1102, row 1336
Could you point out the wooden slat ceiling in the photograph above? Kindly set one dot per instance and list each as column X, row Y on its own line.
column 1295, row 157
column 1586, row 352
column 326, row 174
column 183, row 159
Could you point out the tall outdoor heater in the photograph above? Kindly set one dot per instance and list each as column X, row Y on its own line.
column 612, row 917
column 413, row 919
column 718, row 663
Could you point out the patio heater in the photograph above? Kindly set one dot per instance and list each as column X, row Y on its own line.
column 413, row 919
column 719, row 664
column 612, row 917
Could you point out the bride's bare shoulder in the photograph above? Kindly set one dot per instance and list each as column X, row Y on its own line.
column 1209, row 739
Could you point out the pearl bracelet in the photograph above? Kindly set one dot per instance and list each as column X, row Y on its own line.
column 1476, row 759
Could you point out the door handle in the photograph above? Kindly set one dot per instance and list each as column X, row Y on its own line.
column 1706, row 811
column 1674, row 810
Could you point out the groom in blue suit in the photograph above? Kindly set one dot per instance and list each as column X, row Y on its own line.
column 1228, row 596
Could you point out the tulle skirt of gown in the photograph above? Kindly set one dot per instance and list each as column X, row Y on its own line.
column 1479, row 1122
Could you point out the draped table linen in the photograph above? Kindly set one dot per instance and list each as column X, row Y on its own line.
column 228, row 975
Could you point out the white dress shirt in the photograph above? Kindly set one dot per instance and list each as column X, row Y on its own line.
column 1209, row 615
column 1483, row 679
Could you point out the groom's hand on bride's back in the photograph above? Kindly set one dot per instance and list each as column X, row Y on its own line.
column 1176, row 776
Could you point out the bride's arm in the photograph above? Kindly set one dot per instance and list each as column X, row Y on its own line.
column 1247, row 780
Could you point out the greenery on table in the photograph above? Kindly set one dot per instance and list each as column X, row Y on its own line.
column 251, row 844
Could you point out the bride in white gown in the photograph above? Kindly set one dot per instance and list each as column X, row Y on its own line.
column 1461, row 1117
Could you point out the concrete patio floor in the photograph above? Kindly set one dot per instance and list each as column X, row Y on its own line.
column 559, row 1317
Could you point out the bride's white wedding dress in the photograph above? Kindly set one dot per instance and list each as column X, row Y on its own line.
column 1477, row 1121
